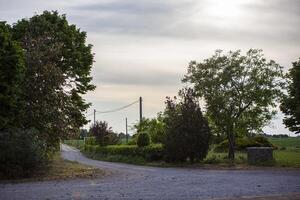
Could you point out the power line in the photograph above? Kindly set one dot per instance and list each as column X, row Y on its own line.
column 118, row 109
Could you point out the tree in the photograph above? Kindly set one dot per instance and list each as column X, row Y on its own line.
column 187, row 131
column 291, row 102
column 58, row 65
column 11, row 77
column 154, row 127
column 240, row 91
column 104, row 134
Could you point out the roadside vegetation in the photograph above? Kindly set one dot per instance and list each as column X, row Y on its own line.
column 60, row 169
column 45, row 67
column 238, row 105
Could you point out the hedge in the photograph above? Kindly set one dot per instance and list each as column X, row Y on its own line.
column 241, row 144
column 149, row 153
column 75, row 143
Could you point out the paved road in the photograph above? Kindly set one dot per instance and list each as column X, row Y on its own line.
column 139, row 182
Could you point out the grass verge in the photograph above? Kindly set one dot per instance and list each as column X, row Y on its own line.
column 60, row 169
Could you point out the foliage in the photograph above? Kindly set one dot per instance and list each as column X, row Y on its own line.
column 240, row 91
column 187, row 131
column 291, row 102
column 90, row 141
column 242, row 144
column 150, row 152
column 58, row 65
column 11, row 77
column 75, row 143
column 143, row 139
column 154, row 127
column 104, row 134
column 21, row 152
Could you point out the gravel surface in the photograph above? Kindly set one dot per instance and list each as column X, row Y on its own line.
column 140, row 182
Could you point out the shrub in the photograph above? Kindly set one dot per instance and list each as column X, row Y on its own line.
column 150, row 152
column 90, row 140
column 143, row 139
column 21, row 152
column 241, row 144
column 187, row 131
column 104, row 134
column 212, row 160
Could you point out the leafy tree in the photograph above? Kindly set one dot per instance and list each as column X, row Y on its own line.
column 291, row 102
column 240, row 91
column 58, row 65
column 11, row 76
column 143, row 139
column 104, row 134
column 187, row 131
column 154, row 127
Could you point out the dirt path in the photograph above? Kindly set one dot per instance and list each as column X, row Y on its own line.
column 139, row 182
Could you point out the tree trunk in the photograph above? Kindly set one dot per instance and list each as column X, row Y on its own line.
column 231, row 143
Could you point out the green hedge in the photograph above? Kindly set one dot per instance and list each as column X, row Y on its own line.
column 75, row 143
column 241, row 144
column 149, row 153
column 90, row 140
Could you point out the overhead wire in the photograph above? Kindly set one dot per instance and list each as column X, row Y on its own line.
column 115, row 110
column 118, row 109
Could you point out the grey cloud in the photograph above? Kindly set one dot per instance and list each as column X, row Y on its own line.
column 137, row 77
column 128, row 7
column 167, row 19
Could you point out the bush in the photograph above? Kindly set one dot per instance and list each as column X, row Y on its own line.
column 21, row 152
column 187, row 131
column 90, row 140
column 104, row 134
column 241, row 144
column 150, row 152
column 143, row 139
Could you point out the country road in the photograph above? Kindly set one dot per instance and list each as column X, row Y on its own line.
column 140, row 182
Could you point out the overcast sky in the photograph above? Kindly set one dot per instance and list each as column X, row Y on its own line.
column 142, row 48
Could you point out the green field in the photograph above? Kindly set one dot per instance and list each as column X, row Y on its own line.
column 291, row 142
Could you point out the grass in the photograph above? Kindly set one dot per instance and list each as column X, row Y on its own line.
column 287, row 158
column 289, row 143
column 60, row 169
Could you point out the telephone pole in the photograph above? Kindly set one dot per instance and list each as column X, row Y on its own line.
column 94, row 116
column 141, row 109
column 126, row 130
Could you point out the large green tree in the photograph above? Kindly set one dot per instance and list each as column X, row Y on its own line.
column 11, row 76
column 240, row 91
column 291, row 102
column 58, row 65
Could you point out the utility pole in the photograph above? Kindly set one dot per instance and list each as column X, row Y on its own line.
column 141, row 109
column 126, row 130
column 94, row 116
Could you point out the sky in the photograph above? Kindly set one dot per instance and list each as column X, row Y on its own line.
column 142, row 48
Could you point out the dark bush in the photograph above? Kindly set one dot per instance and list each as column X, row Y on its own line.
column 187, row 131
column 143, row 139
column 104, row 134
column 241, row 144
column 150, row 152
column 21, row 152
